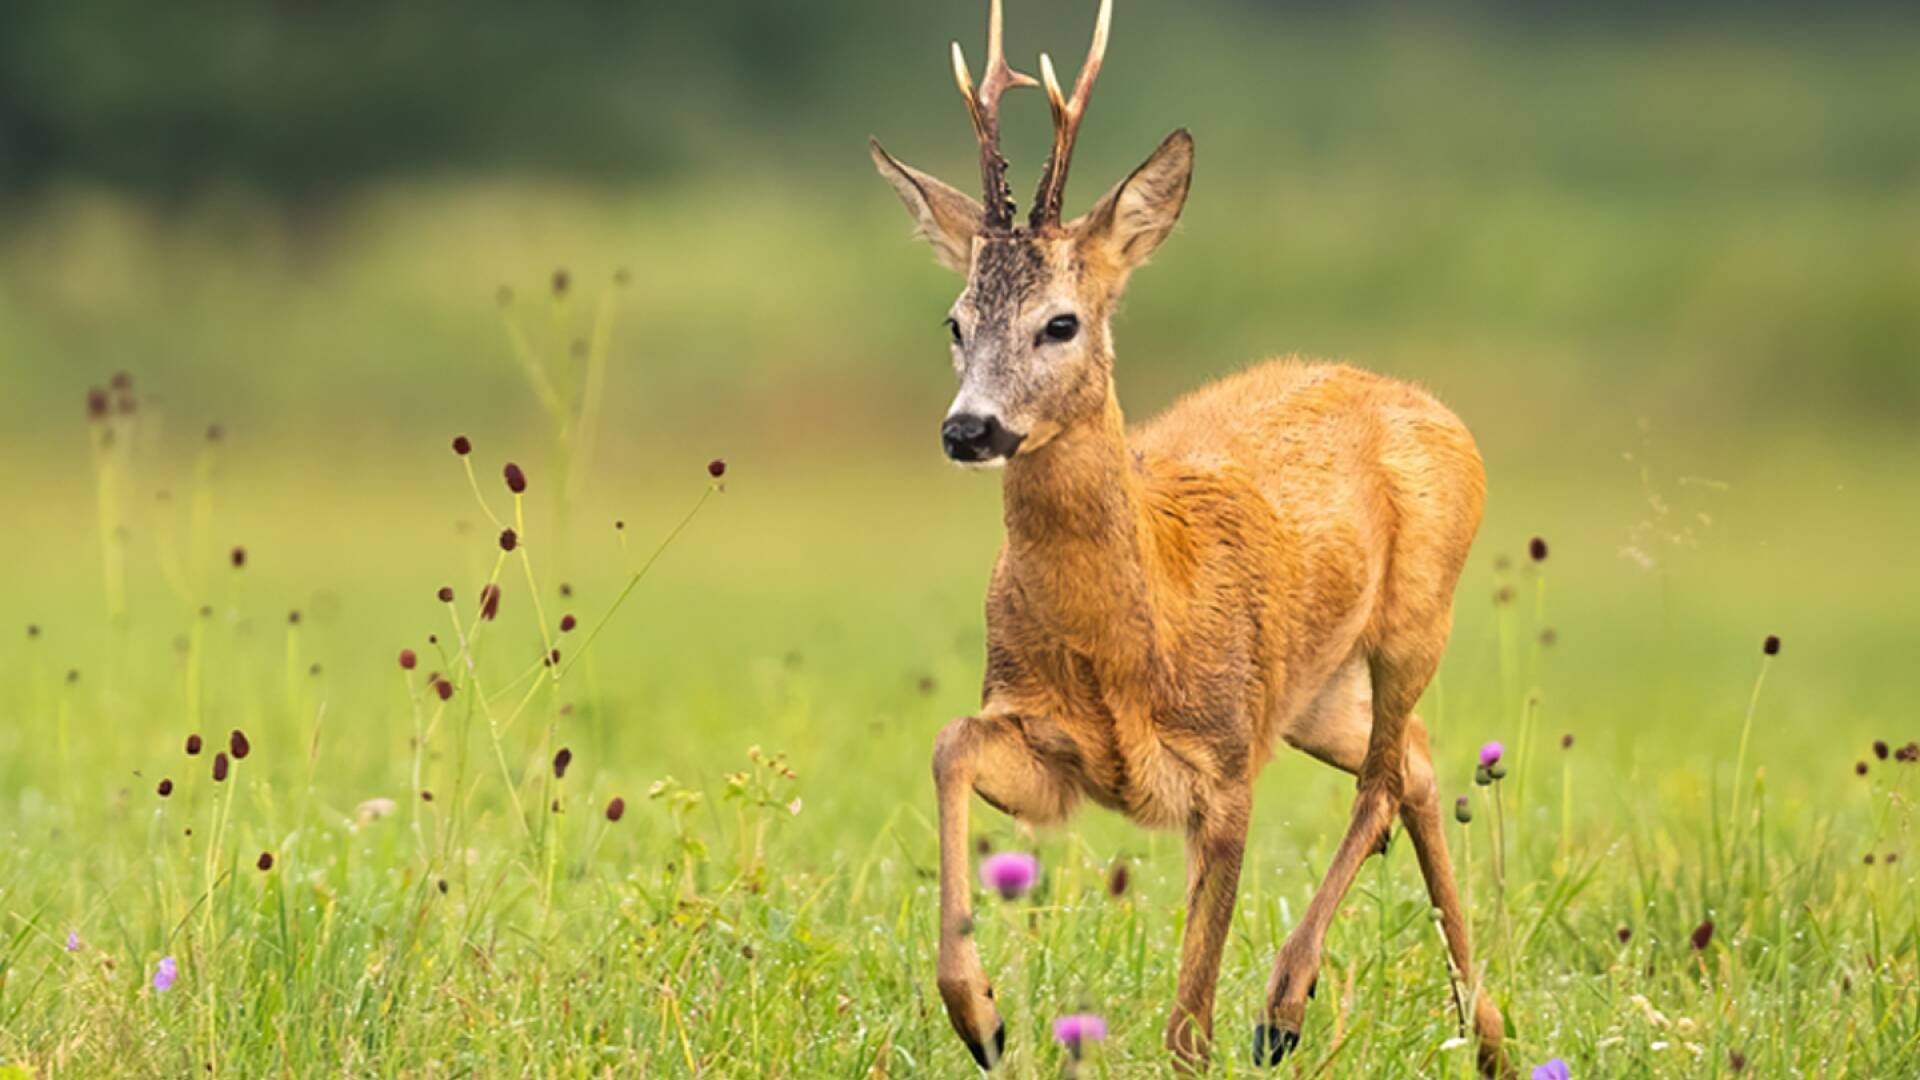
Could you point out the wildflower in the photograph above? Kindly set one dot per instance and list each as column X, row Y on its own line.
column 166, row 788
column 375, row 808
column 1771, row 646
column 1117, row 880
column 561, row 280
column 566, row 590
column 426, row 795
column 408, row 659
column 442, row 886
column 165, row 974
column 1859, row 768
column 1880, row 749
column 443, row 688
column 1910, row 753
column 560, row 762
column 1549, row 637
column 238, row 744
column 1702, row 935
column 193, row 745
column 220, row 767
column 509, row 540
column 1566, row 741
column 1491, row 753
column 33, row 631
column 238, row 557
column 1625, row 934
column 717, row 468
column 490, row 602
column 73, row 941
column 616, row 809
column 1074, row 1032
column 1537, row 551
column 516, row 480
column 1010, row 873
column 293, row 617
column 266, row 861
column 1462, row 810
column 462, row 445
column 445, row 594
column 1554, row 1069
column 1736, row 1061
column 567, row 623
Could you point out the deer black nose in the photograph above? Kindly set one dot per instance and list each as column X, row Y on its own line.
column 969, row 437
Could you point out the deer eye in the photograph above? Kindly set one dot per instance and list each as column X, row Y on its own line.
column 1061, row 328
column 953, row 327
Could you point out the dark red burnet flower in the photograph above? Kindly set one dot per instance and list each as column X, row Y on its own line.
column 239, row 746
column 265, row 862
column 616, row 809
column 1537, row 549
column 1771, row 646
column 445, row 594
column 567, row 623
column 165, row 789
column 1880, row 749
column 97, row 403
column 1118, row 879
column 561, row 760
column 516, row 480
column 462, row 445
column 408, row 660
column 717, row 468
column 443, row 688
column 1625, row 934
column 220, row 767
column 238, row 557
column 509, row 540
column 551, row 659
column 1702, row 935
column 193, row 745
column 293, row 617
column 561, row 281
column 490, row 602
column 1859, row 768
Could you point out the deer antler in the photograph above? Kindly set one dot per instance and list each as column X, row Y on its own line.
column 983, row 105
column 1067, row 114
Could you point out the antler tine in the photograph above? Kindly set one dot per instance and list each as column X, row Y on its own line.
column 1067, row 114
column 983, row 106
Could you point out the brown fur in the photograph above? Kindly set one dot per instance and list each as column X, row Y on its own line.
column 1273, row 559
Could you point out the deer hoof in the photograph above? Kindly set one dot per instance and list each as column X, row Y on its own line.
column 988, row 1058
column 1271, row 1043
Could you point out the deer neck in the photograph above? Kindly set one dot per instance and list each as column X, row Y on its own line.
column 1076, row 542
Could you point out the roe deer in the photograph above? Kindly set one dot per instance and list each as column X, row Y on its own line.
column 1272, row 559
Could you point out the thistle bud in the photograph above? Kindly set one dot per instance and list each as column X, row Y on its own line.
column 1497, row 770
column 1483, row 775
column 1462, row 810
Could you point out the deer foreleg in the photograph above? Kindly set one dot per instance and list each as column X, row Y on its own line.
column 1215, row 843
column 988, row 755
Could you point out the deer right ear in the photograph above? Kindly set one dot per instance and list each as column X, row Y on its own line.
column 948, row 219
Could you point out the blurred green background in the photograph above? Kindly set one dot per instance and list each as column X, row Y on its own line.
column 1665, row 263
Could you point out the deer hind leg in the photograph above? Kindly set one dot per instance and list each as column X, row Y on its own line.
column 1216, row 842
column 1421, row 812
column 987, row 755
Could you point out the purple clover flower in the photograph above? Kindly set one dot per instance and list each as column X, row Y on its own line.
column 1010, row 873
column 1555, row 1069
column 73, row 941
column 166, row 974
column 1074, row 1032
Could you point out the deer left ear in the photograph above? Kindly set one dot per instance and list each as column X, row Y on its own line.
column 1130, row 221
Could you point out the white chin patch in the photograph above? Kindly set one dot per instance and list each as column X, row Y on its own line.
column 988, row 465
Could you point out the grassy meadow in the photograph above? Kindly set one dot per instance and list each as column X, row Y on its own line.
column 1669, row 278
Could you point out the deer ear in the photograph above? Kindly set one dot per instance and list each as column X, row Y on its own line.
column 948, row 219
column 1130, row 221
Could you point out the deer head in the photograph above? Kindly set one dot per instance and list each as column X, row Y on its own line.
column 1030, row 331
